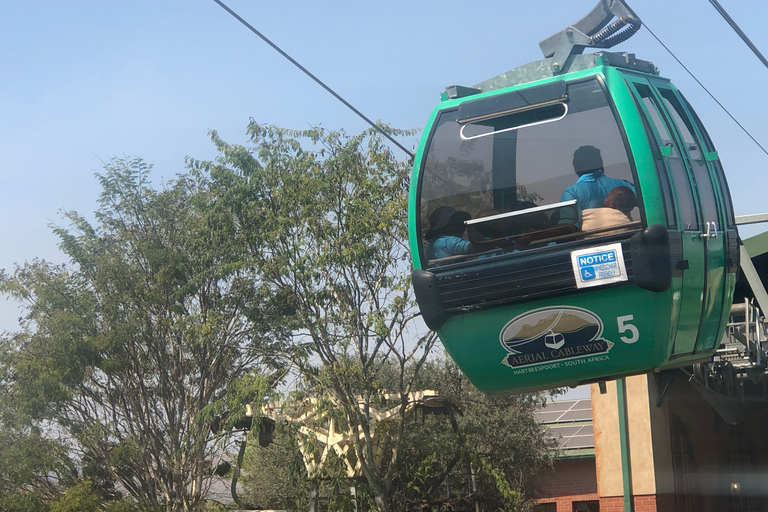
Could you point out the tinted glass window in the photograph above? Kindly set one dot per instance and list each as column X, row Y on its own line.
column 696, row 156
column 679, row 175
column 717, row 166
column 661, row 167
column 513, row 178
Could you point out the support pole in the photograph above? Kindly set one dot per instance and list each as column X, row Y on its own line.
column 626, row 472
column 313, row 496
column 353, row 494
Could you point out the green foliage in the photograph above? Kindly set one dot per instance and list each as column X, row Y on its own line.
column 78, row 498
column 497, row 438
column 124, row 505
column 31, row 466
column 155, row 329
column 275, row 477
column 22, row 502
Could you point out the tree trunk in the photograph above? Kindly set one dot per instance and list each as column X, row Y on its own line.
column 382, row 502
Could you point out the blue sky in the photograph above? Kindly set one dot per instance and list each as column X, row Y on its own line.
column 88, row 80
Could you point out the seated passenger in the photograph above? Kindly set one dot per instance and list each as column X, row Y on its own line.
column 528, row 222
column 445, row 231
column 617, row 209
column 489, row 232
column 592, row 187
column 445, row 235
column 622, row 199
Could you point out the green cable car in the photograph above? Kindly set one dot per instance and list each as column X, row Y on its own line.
column 570, row 221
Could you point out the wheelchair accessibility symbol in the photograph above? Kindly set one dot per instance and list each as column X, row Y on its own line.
column 588, row 273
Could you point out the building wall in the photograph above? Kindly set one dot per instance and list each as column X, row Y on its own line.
column 717, row 467
column 654, row 503
column 649, row 441
column 567, row 482
column 684, row 456
column 569, row 477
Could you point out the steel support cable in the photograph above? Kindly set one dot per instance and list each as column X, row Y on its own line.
column 738, row 30
column 313, row 77
column 706, row 90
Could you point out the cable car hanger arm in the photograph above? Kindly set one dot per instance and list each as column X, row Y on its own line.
column 592, row 31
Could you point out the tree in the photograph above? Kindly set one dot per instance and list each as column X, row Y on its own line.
column 153, row 333
column 274, row 475
column 489, row 448
column 31, row 467
column 327, row 225
column 457, row 449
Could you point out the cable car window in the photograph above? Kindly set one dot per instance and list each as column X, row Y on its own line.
column 549, row 174
column 717, row 165
column 661, row 167
column 698, row 164
column 682, row 184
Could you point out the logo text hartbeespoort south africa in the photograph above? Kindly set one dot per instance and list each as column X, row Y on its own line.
column 553, row 334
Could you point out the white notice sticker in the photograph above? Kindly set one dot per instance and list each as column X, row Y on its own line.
column 597, row 266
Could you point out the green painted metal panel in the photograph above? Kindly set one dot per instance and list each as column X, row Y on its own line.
column 630, row 336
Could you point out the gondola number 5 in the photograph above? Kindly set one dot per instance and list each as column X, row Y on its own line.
column 624, row 326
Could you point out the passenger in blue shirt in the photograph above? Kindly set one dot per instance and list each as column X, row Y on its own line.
column 445, row 235
column 592, row 187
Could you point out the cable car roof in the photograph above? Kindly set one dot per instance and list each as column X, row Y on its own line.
column 542, row 69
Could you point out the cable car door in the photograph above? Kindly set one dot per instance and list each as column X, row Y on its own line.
column 713, row 222
column 690, row 220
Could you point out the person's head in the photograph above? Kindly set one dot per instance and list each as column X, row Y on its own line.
column 492, row 229
column 533, row 221
column 621, row 198
column 587, row 159
column 446, row 220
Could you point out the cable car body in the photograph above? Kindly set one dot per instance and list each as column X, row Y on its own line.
column 550, row 283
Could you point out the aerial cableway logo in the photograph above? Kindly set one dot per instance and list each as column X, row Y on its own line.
column 552, row 334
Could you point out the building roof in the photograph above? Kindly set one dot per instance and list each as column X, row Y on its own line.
column 757, row 248
column 570, row 423
column 757, row 245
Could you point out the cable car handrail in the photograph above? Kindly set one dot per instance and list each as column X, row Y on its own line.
column 709, row 234
column 527, row 125
column 535, row 209
column 507, row 112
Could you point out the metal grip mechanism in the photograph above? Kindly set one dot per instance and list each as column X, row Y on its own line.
column 613, row 34
column 592, row 31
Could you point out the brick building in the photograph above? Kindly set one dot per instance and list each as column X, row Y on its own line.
column 571, row 483
column 684, row 456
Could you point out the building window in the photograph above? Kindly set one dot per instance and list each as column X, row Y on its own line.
column 586, row 506
column 684, row 467
column 741, row 466
column 545, row 507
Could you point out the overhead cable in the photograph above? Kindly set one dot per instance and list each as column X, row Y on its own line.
column 705, row 89
column 313, row 77
column 738, row 30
